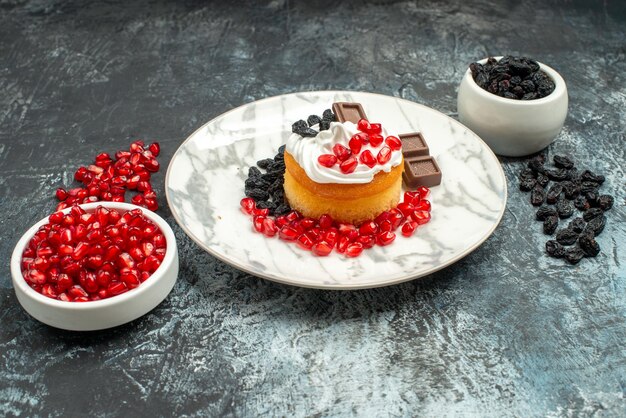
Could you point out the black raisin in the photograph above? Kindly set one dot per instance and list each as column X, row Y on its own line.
column 329, row 115
column 281, row 150
column 302, row 128
column 574, row 255
column 592, row 198
column 565, row 208
column 553, row 193
column 545, row 211
column 258, row 194
column 313, row 120
column 566, row 236
column 558, row 174
column 589, row 245
column 254, row 172
column 530, row 96
column 537, row 195
column 554, row 249
column 527, row 185
column 264, row 204
column 542, row 180
column 527, row 173
column 588, row 175
column 596, row 225
column 324, row 125
column 562, row 161
column 581, row 203
column 570, row 189
column 605, row 202
column 282, row 209
column 588, row 186
column 577, row 224
column 592, row 213
column 264, row 163
column 550, row 224
column 536, row 164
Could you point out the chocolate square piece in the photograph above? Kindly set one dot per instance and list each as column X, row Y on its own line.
column 413, row 145
column 348, row 112
column 421, row 171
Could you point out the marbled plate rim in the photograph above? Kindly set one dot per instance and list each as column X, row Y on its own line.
column 389, row 280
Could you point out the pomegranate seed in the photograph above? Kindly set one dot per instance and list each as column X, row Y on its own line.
column 376, row 140
column 143, row 186
column 394, row 143
column 147, row 248
column 287, row 233
column 342, row 243
column 348, row 166
column 79, row 175
column 116, row 288
column 103, row 278
column 77, row 291
column 384, row 155
column 369, row 228
column 269, row 227
column 354, row 249
column 409, row 228
column 327, row 160
column 423, row 191
column 367, row 158
column 367, row 241
column 325, row 221
column 386, row 226
column 152, row 165
column 423, row 205
column 137, row 199
column 248, row 205
column 159, row 241
column 322, row 248
column 257, row 222
column 41, row 264
column 406, row 208
column 48, row 290
column 365, row 138
column 304, row 242
column 44, row 251
column 421, row 216
column 363, row 125
column 281, row 221
column 307, row 223
column 374, row 128
column 385, row 238
column 261, row 212
column 64, row 282
column 412, row 197
column 133, row 182
column 61, row 194
column 61, row 206
column 36, row 277
column 331, row 236
column 56, row 218
column 355, row 144
column 151, row 204
column 80, row 251
column 341, row 152
column 155, row 149
column 130, row 278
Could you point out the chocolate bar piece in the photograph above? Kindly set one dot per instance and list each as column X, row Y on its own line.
column 413, row 145
column 348, row 112
column 421, row 171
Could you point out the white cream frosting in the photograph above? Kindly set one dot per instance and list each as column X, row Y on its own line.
column 306, row 151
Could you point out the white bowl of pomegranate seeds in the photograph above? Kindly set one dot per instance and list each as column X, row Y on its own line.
column 519, row 126
column 94, row 266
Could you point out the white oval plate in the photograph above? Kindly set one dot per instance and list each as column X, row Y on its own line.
column 205, row 182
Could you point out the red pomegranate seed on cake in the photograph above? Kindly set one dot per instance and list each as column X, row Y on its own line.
column 342, row 243
column 421, row 216
column 368, row 241
column 322, row 248
column 331, row 236
column 304, row 242
column 363, row 125
column 423, row 205
column 376, row 140
column 364, row 137
column 354, row 249
column 386, row 226
column 394, row 143
column 327, row 160
column 384, row 155
column 374, row 128
column 341, row 152
column 348, row 166
column 261, row 212
column 369, row 228
column 367, row 158
column 355, row 144
column 385, row 238
column 287, row 233
column 383, row 216
column 325, row 221
column 409, row 228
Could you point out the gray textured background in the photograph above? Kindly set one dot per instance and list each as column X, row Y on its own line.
column 504, row 332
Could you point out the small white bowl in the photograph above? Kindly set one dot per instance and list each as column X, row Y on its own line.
column 511, row 127
column 105, row 313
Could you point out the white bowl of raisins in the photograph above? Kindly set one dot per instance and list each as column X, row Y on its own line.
column 516, row 105
column 95, row 266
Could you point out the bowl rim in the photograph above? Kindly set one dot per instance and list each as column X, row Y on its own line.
column 19, row 282
column 559, row 86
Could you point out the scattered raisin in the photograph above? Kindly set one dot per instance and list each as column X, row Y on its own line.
column 329, row 116
column 558, row 174
column 565, row 208
column 591, row 213
column 554, row 249
column 527, row 173
column 566, row 236
column 527, row 184
column 562, row 161
column 537, row 196
column 542, row 180
column 588, row 186
column 596, row 225
column 544, row 212
column 264, row 163
column 570, row 189
column 302, row 128
column 574, row 255
column 553, row 193
column 536, row 164
column 588, row 175
column 605, row 202
column 550, row 224
column 577, row 224
column 589, row 245
column 581, row 203
column 313, row 120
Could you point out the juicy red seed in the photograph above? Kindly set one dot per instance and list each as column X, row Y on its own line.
column 133, row 182
column 376, row 140
column 394, row 143
column 137, row 199
column 348, row 166
column 406, row 208
column 423, row 192
column 354, row 249
column 152, row 165
column 307, row 223
column 385, row 238
column 257, row 222
column 325, row 221
column 384, row 216
column 48, row 290
column 56, row 218
column 103, row 278
column 77, row 291
column 421, row 216
column 261, row 212
column 288, row 233
column 64, row 282
column 103, row 156
column 341, row 152
column 412, row 197
column 369, row 228
column 94, row 261
column 342, row 243
column 363, row 125
column 143, row 186
column 151, row 204
column 355, row 144
column 374, row 128
column 282, row 221
column 423, row 205
column 61, row 194
column 35, row 276
column 409, row 228
column 269, row 227
column 331, row 237
column 124, row 260
column 367, row 158
column 116, row 288
column 80, row 251
column 248, row 205
column 386, row 226
column 304, row 242
column 322, row 248
column 327, row 160
column 130, row 279
column 384, row 155
column 367, row 241
column 155, row 149
column 62, row 206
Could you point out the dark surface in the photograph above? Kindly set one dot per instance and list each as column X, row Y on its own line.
column 506, row 331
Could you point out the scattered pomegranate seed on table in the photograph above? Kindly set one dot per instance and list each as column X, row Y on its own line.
column 107, row 179
column 82, row 256
column 321, row 236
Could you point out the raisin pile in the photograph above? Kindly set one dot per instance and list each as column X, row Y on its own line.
column 267, row 188
column 567, row 189
column 304, row 128
column 516, row 78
